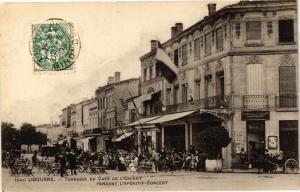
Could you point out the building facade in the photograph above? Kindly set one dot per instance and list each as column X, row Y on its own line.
column 239, row 66
column 51, row 130
column 95, row 122
column 112, row 114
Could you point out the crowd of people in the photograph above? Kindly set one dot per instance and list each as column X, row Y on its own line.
column 120, row 160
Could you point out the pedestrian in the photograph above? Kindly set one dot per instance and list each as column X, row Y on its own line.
column 34, row 158
column 260, row 162
column 154, row 160
column 243, row 158
column 62, row 164
column 72, row 162
column 100, row 159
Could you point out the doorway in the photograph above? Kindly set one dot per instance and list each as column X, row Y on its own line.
column 255, row 140
column 288, row 134
column 175, row 138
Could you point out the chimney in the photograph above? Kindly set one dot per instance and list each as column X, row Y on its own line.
column 154, row 44
column 211, row 8
column 173, row 32
column 117, row 77
column 179, row 28
column 111, row 80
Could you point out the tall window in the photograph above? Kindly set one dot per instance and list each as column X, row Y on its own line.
column 184, row 54
column 145, row 74
column 287, row 86
column 219, row 40
column 255, row 80
column 168, row 97
column 176, row 57
column 157, row 73
column 151, row 72
column 197, row 90
column 197, row 48
column 220, row 83
column 286, row 31
column 253, row 30
column 184, row 93
column 175, row 96
column 208, row 44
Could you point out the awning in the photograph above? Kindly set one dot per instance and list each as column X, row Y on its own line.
column 146, row 97
column 142, row 121
column 124, row 136
column 62, row 141
column 170, row 117
column 86, row 139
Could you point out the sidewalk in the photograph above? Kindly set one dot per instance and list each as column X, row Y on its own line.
column 239, row 170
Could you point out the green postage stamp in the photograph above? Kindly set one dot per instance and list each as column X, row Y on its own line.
column 54, row 46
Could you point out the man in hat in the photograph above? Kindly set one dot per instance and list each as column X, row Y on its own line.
column 72, row 162
column 62, row 163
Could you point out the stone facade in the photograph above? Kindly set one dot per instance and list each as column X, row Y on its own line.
column 235, row 60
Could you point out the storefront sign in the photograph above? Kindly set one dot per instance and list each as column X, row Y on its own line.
column 272, row 142
column 239, row 142
column 255, row 115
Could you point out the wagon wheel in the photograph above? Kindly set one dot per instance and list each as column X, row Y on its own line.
column 291, row 166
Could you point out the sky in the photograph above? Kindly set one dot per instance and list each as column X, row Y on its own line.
column 113, row 38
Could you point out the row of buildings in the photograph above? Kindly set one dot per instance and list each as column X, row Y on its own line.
column 237, row 67
column 96, row 121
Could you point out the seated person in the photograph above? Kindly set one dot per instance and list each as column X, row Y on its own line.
column 243, row 157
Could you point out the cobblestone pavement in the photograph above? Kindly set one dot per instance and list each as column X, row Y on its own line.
column 177, row 181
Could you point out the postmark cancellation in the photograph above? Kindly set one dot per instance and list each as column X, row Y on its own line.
column 54, row 46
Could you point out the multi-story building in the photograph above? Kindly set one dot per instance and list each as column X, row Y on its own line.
column 236, row 68
column 65, row 120
column 73, row 120
column 98, row 120
column 111, row 111
column 51, row 130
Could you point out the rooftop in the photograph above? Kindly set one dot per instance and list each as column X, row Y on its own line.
column 248, row 5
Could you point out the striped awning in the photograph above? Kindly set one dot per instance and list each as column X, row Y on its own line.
column 142, row 121
column 170, row 117
column 123, row 136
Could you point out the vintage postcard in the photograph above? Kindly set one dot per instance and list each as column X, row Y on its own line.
column 149, row 96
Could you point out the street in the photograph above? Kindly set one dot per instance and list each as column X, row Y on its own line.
column 181, row 180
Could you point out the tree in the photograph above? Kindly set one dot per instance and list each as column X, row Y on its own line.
column 9, row 136
column 27, row 134
column 213, row 139
column 41, row 138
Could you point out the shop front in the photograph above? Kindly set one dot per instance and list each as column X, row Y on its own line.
column 174, row 138
column 255, row 134
column 288, row 134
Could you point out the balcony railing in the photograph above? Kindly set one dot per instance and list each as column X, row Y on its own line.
column 286, row 101
column 255, row 101
column 217, row 102
column 97, row 131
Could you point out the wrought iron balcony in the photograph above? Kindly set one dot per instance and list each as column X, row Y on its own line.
column 286, row 101
column 216, row 102
column 93, row 131
column 255, row 101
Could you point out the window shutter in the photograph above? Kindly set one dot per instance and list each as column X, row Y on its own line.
column 219, row 42
column 207, row 44
column 287, row 80
column 253, row 29
column 197, row 48
column 184, row 55
column 287, row 86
